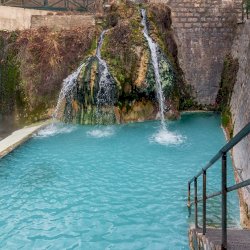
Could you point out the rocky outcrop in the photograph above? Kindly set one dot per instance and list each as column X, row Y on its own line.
column 128, row 59
column 43, row 57
column 240, row 111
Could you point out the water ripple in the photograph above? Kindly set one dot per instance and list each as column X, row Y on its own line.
column 75, row 191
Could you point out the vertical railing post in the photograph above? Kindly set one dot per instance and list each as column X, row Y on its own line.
column 189, row 199
column 195, row 203
column 189, row 193
column 247, row 7
column 224, row 201
column 242, row 11
column 204, row 194
column 66, row 4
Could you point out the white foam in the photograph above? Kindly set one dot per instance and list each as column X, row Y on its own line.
column 101, row 132
column 55, row 129
column 165, row 137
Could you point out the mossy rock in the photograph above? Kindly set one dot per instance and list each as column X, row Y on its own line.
column 127, row 55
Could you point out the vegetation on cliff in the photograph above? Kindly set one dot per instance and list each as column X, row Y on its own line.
column 228, row 79
column 34, row 63
column 42, row 58
column 10, row 92
column 128, row 56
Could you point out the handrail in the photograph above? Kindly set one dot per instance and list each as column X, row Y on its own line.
column 244, row 132
column 247, row 8
column 222, row 153
column 49, row 5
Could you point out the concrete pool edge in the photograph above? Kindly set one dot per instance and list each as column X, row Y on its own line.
column 20, row 136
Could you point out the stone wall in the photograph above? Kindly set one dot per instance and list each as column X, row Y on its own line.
column 240, row 109
column 57, row 22
column 198, row 241
column 12, row 18
column 204, row 32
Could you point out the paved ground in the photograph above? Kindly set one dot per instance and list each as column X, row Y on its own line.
column 238, row 239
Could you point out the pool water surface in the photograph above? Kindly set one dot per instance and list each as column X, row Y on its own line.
column 115, row 187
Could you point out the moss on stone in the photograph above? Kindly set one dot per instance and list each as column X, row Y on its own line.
column 11, row 93
column 45, row 58
column 228, row 79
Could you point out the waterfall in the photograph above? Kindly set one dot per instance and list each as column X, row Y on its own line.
column 106, row 84
column 68, row 84
column 106, row 93
column 163, row 136
column 153, row 49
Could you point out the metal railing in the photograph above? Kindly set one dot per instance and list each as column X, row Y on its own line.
column 224, row 188
column 82, row 5
column 248, row 8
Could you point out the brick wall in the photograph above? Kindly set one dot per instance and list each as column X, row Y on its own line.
column 204, row 31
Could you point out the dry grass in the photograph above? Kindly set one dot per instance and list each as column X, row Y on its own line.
column 47, row 57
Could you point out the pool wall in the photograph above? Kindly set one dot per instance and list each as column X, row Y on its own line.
column 240, row 111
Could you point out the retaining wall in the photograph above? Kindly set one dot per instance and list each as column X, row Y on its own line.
column 57, row 22
column 204, row 32
column 12, row 18
column 240, row 109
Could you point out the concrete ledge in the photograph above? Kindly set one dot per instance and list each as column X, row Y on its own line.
column 57, row 22
column 237, row 239
column 197, row 241
column 12, row 18
column 18, row 137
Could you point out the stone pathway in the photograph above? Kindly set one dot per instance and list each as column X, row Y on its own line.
column 237, row 239
column 19, row 137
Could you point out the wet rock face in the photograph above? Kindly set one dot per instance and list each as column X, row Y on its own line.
column 82, row 104
column 127, row 56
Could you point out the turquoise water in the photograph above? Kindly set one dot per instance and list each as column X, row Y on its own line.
column 83, row 187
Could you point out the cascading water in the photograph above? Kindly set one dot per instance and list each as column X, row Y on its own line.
column 163, row 136
column 103, row 99
column 153, row 49
column 68, row 85
column 106, row 93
